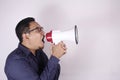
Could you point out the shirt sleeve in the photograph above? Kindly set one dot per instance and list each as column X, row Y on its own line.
column 20, row 70
column 50, row 70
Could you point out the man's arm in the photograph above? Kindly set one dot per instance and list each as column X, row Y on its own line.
column 19, row 69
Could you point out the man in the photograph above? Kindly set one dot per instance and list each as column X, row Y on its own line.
column 28, row 61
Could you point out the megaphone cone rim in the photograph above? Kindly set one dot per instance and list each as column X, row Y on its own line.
column 76, row 34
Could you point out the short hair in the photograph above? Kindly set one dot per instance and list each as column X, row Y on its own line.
column 23, row 27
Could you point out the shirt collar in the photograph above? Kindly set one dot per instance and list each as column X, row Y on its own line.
column 24, row 49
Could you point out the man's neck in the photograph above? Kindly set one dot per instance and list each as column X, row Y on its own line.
column 27, row 46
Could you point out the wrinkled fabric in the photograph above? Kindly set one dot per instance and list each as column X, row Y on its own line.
column 21, row 64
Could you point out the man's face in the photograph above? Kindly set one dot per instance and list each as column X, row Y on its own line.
column 36, row 35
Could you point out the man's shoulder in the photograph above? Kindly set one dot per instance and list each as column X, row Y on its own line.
column 16, row 54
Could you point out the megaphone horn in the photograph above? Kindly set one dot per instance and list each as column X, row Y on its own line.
column 56, row 36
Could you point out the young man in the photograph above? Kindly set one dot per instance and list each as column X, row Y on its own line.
column 28, row 61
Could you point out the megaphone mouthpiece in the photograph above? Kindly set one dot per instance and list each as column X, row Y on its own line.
column 49, row 37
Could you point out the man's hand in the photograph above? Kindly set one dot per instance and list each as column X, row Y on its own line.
column 59, row 50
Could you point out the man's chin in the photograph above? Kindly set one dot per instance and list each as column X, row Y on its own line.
column 42, row 46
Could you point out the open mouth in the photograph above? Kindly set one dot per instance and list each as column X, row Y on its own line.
column 43, row 39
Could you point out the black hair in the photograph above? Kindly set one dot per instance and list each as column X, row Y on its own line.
column 23, row 27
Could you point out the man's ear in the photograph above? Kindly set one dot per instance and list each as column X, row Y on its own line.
column 25, row 36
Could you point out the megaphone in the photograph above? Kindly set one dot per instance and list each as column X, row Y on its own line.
column 56, row 36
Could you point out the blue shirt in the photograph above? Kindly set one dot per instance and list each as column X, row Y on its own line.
column 21, row 64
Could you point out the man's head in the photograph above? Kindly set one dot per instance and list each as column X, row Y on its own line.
column 30, row 33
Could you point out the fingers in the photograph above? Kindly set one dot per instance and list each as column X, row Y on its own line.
column 63, row 45
column 60, row 44
column 59, row 49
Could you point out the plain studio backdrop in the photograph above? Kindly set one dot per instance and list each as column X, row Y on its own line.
column 96, row 57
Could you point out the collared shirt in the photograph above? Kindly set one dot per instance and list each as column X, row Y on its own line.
column 21, row 64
